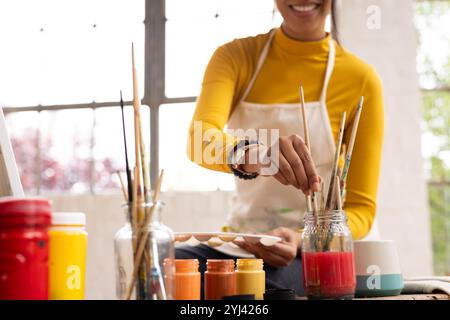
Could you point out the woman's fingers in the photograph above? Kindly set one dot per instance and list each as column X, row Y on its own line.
column 247, row 247
column 295, row 163
column 275, row 260
column 286, row 171
column 308, row 164
column 278, row 255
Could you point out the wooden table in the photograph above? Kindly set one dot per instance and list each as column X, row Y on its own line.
column 430, row 296
column 424, row 296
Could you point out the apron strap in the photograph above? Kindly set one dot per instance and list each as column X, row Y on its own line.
column 261, row 60
column 265, row 51
column 329, row 71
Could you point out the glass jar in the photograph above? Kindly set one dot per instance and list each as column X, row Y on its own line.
column 154, row 277
column 327, row 256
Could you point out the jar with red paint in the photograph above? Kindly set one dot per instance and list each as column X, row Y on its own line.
column 24, row 224
column 327, row 256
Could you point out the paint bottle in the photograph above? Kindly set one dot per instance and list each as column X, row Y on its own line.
column 187, row 280
column 250, row 277
column 24, row 248
column 220, row 279
column 67, row 262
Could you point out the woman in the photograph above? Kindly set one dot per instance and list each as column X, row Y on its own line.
column 254, row 83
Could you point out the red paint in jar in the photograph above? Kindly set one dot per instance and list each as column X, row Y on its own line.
column 329, row 275
column 220, row 279
column 24, row 248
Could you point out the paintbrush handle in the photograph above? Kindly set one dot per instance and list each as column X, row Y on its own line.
column 330, row 195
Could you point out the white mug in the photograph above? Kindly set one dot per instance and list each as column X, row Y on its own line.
column 377, row 266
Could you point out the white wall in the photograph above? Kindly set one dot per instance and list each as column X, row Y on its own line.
column 402, row 211
column 402, row 201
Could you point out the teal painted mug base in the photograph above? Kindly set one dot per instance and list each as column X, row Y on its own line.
column 390, row 285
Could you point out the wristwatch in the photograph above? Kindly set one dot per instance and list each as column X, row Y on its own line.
column 235, row 156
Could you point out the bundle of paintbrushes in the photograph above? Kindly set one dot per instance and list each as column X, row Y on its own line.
column 146, row 277
column 335, row 199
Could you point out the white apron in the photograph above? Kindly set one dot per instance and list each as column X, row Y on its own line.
column 263, row 203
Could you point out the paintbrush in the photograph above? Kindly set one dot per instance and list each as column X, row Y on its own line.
column 122, row 186
column 138, row 210
column 127, row 165
column 351, row 143
column 306, row 135
column 338, row 194
column 330, row 195
column 142, row 241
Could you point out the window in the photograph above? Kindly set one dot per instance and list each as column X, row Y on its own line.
column 433, row 64
column 56, row 60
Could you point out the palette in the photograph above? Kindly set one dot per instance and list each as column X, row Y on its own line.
column 217, row 239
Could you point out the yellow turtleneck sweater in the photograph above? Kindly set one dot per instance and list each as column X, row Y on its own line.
column 289, row 63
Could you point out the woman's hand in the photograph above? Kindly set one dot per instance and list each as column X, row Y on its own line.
column 279, row 255
column 295, row 164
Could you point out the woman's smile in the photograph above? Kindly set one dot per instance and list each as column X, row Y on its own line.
column 304, row 9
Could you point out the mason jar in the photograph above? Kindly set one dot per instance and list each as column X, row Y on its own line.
column 155, row 274
column 327, row 256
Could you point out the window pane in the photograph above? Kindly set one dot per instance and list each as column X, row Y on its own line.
column 245, row 7
column 66, row 150
column 180, row 173
column 193, row 35
column 240, row 26
column 180, row 9
column 109, row 150
column 23, row 133
column 71, row 51
column 433, row 22
column 189, row 45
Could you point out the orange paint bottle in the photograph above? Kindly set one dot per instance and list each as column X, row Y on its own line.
column 220, row 279
column 187, row 280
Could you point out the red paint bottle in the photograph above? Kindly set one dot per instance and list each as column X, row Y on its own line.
column 24, row 248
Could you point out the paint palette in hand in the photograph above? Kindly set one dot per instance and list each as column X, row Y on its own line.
column 217, row 239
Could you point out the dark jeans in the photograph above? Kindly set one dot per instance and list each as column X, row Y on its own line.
column 289, row 277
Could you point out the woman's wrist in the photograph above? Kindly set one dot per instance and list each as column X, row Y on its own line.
column 238, row 159
column 251, row 162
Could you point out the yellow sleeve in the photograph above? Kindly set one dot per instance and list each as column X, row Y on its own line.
column 362, row 180
column 208, row 144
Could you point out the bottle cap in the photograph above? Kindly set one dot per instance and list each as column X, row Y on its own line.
column 16, row 211
column 215, row 265
column 68, row 219
column 249, row 264
column 186, row 265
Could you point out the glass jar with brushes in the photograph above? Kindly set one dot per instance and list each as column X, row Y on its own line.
column 327, row 256
column 144, row 255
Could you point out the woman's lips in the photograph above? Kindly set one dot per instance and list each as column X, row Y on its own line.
column 304, row 10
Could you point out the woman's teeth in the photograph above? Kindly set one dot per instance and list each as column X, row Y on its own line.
column 304, row 8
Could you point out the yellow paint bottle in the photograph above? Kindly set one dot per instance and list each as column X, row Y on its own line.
column 67, row 261
column 250, row 277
